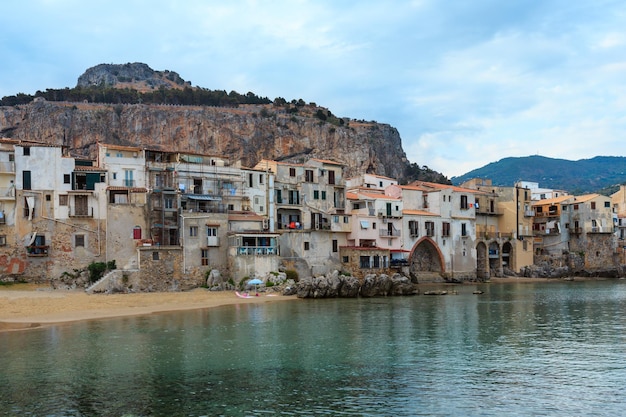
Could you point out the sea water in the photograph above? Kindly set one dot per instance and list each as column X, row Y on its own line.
column 527, row 349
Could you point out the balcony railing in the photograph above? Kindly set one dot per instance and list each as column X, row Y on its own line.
column 213, row 241
column 7, row 166
column 389, row 233
column 81, row 212
column 257, row 250
column 35, row 251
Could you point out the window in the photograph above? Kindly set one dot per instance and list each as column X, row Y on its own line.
column 137, row 232
column 316, row 195
column 593, row 205
column 307, row 246
column 414, row 228
column 292, row 172
column 3, row 240
column 364, row 262
column 128, row 178
column 430, row 228
column 48, row 197
column 308, row 175
column 294, row 197
column 335, row 245
column 26, row 184
column 335, row 219
column 607, row 204
column 27, row 151
column 575, row 206
column 279, row 196
column 66, row 178
column 323, row 195
column 231, row 207
column 374, row 225
column 193, row 231
column 169, row 203
column 445, row 229
column 211, row 231
column 376, row 262
column 204, row 257
column 155, row 256
column 79, row 240
column 115, row 177
column 11, row 157
column 463, row 229
column 260, row 178
column 345, row 259
column 464, row 205
column 331, row 177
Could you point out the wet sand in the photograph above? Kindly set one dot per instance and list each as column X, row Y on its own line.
column 24, row 306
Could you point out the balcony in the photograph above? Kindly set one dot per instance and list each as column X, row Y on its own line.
column 213, row 241
column 257, row 250
column 37, row 251
column 7, row 167
column 84, row 212
column 389, row 233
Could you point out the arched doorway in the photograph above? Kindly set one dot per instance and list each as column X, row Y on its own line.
column 507, row 256
column 482, row 271
column 495, row 262
column 426, row 261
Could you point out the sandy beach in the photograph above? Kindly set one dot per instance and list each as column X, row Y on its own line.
column 24, row 306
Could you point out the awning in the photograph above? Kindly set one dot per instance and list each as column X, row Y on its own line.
column 203, row 197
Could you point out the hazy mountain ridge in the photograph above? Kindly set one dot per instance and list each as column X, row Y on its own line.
column 599, row 174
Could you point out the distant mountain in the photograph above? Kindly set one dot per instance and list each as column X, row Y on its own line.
column 601, row 174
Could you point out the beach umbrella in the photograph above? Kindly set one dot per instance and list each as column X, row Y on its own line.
column 255, row 282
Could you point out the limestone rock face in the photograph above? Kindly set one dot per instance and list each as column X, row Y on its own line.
column 136, row 74
column 246, row 134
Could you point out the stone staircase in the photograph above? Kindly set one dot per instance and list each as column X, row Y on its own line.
column 108, row 282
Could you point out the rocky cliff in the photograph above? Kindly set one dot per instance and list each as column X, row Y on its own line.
column 245, row 128
column 246, row 133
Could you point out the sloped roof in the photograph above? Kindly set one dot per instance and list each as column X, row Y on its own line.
column 434, row 186
column 585, row 197
column 555, row 200
column 419, row 213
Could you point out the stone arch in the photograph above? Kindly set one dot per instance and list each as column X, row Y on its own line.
column 495, row 258
column 426, row 260
column 482, row 270
column 508, row 258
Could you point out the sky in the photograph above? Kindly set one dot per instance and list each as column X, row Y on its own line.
column 465, row 83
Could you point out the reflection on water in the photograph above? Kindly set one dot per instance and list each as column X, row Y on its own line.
column 525, row 349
